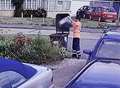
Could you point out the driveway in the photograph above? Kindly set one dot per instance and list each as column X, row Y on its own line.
column 68, row 68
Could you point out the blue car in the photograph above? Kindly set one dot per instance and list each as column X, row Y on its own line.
column 14, row 74
column 103, row 67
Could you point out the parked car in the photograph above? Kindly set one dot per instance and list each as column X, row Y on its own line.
column 103, row 67
column 83, row 12
column 14, row 74
column 103, row 14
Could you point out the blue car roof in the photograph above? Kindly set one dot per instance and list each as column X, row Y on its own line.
column 99, row 75
column 12, row 65
column 112, row 35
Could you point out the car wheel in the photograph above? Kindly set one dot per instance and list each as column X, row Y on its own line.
column 91, row 18
column 102, row 20
column 113, row 21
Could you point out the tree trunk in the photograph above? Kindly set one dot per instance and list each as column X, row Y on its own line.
column 18, row 11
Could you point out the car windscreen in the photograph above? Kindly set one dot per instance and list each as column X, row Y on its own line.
column 96, row 9
column 99, row 75
column 109, row 49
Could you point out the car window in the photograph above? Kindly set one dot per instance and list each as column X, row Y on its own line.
column 109, row 10
column 4, row 81
column 96, row 9
column 112, row 10
column 109, row 49
column 11, row 78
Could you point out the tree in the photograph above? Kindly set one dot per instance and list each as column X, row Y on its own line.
column 18, row 4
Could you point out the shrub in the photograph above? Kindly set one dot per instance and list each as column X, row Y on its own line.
column 43, row 49
column 36, row 13
column 37, row 50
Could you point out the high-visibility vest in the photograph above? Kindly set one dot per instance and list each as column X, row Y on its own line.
column 76, row 29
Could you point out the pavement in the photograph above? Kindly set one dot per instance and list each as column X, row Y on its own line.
column 66, row 70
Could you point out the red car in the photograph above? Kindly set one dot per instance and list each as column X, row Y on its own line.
column 103, row 14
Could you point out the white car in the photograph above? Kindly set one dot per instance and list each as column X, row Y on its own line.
column 14, row 74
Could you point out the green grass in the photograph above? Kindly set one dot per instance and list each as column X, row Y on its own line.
column 94, row 24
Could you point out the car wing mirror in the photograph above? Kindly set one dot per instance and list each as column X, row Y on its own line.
column 89, row 52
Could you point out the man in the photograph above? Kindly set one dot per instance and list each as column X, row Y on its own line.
column 76, row 37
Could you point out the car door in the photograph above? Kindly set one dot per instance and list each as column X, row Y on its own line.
column 96, row 13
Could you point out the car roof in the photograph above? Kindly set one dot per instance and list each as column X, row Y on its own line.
column 112, row 35
column 11, row 65
column 99, row 75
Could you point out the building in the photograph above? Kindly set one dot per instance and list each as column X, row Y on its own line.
column 58, row 6
column 52, row 6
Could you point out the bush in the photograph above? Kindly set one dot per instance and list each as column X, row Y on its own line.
column 36, row 13
column 43, row 49
column 24, row 49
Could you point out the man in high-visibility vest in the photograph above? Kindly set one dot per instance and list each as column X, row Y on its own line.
column 76, row 37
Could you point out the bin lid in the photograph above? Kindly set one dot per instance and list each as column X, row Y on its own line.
column 60, row 29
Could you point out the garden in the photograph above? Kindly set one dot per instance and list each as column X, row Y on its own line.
column 29, row 49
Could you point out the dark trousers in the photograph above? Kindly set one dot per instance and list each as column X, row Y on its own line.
column 76, row 44
column 76, row 48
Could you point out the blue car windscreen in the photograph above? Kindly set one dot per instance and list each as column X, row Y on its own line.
column 99, row 75
column 109, row 49
column 97, row 85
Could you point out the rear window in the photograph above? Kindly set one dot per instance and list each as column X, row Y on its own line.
column 99, row 9
column 109, row 10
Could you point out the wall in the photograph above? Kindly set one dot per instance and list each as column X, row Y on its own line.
column 6, row 13
column 58, row 6
column 53, row 14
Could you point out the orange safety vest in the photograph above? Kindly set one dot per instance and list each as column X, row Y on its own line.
column 76, row 29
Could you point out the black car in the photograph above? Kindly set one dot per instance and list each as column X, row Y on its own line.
column 83, row 12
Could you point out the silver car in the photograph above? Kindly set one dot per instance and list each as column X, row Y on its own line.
column 14, row 74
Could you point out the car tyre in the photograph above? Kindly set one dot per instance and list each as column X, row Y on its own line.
column 102, row 20
column 113, row 21
column 91, row 18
